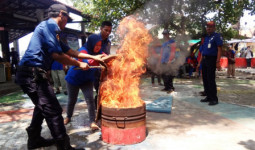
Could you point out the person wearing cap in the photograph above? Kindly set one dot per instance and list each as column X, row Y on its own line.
column 44, row 47
column 167, row 55
column 211, row 54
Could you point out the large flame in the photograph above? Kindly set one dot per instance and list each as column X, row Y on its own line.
column 120, row 89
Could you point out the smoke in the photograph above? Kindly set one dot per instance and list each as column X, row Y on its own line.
column 173, row 67
column 166, row 14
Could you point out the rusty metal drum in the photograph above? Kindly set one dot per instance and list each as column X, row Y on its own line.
column 123, row 126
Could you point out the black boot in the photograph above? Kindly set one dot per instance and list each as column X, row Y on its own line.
column 35, row 140
column 64, row 144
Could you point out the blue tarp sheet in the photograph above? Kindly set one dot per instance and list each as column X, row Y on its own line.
column 162, row 105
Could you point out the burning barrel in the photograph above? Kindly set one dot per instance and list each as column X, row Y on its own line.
column 123, row 115
column 123, row 126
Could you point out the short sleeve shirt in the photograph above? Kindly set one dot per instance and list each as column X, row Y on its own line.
column 106, row 46
column 166, row 51
column 44, row 42
column 80, row 77
column 56, row 66
column 210, row 45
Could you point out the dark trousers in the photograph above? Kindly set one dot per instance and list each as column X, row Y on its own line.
column 46, row 104
column 97, row 76
column 153, row 75
column 191, row 70
column 14, row 67
column 208, row 74
column 248, row 62
column 168, row 81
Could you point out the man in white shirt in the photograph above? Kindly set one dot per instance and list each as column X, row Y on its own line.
column 248, row 56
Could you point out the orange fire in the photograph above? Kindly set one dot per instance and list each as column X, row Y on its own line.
column 120, row 89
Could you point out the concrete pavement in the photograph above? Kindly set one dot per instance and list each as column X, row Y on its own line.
column 191, row 125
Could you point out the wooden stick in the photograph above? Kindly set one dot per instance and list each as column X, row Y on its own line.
column 90, row 67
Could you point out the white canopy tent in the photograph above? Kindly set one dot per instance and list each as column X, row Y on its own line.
column 242, row 41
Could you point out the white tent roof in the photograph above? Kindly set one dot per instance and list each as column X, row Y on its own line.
column 242, row 41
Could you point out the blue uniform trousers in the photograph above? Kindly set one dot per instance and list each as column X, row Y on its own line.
column 35, row 84
column 168, row 81
column 208, row 74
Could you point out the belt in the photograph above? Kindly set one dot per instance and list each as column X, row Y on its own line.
column 30, row 69
column 205, row 57
column 40, row 74
column 25, row 68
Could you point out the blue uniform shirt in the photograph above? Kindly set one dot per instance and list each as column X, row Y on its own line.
column 211, row 43
column 166, row 49
column 79, row 77
column 106, row 45
column 56, row 66
column 44, row 42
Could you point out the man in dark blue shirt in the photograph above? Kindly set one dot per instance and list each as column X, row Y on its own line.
column 167, row 57
column 106, row 29
column 44, row 47
column 211, row 54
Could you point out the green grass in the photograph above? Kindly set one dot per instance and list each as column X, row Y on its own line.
column 12, row 98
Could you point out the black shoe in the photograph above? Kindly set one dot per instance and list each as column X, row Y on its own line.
column 35, row 140
column 204, row 100
column 39, row 142
column 211, row 103
column 65, row 92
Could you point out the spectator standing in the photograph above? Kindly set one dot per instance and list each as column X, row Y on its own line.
column 154, row 62
column 167, row 56
column 199, row 59
column 248, row 56
column 15, row 60
column 44, row 47
column 230, row 54
column 211, row 53
column 192, row 64
column 58, row 77
column 242, row 52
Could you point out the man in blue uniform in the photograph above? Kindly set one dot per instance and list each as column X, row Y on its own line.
column 167, row 57
column 211, row 54
column 44, row 47
column 106, row 29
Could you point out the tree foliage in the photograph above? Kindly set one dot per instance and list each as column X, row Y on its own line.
column 112, row 10
column 181, row 17
column 229, row 13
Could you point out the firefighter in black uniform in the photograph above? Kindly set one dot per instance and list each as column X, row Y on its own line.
column 44, row 47
column 211, row 54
